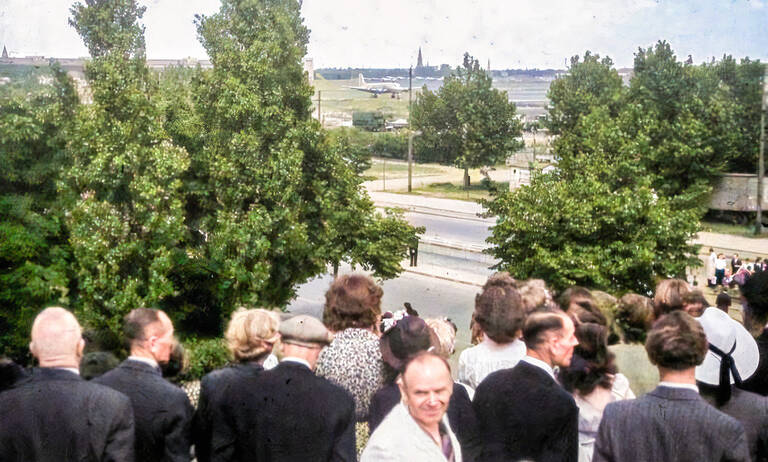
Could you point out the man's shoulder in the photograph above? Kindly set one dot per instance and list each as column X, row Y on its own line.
column 74, row 390
column 319, row 386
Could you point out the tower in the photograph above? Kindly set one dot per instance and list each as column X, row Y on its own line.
column 5, row 53
column 419, row 62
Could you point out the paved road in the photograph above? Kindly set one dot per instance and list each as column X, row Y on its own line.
column 451, row 229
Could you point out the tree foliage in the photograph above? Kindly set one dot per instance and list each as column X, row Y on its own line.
column 467, row 120
column 126, row 219
column 34, row 252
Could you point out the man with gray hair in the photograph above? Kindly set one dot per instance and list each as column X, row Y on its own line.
column 57, row 416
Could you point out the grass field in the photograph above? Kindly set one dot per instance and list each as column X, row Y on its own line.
column 735, row 230
column 475, row 192
column 399, row 169
column 338, row 102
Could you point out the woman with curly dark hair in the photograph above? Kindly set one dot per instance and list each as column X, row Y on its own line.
column 353, row 360
column 594, row 381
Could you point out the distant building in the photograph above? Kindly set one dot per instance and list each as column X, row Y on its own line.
column 5, row 53
column 419, row 61
column 309, row 68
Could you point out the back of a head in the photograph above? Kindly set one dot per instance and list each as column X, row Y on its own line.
column 251, row 333
column 409, row 336
column 499, row 309
column 755, row 291
column 138, row 323
column 677, row 341
column 668, row 296
column 592, row 364
column 56, row 335
column 534, row 293
column 352, row 300
column 573, row 294
column 445, row 330
column 539, row 324
column 723, row 301
column 634, row 317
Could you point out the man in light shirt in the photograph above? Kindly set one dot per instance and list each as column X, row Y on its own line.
column 55, row 415
column 524, row 413
column 162, row 411
column 672, row 422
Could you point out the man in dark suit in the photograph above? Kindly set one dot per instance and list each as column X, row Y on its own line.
column 524, row 413
column 672, row 422
column 54, row 415
column 755, row 293
column 162, row 411
column 288, row 413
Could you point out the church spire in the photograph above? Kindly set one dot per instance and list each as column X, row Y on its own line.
column 5, row 53
column 419, row 62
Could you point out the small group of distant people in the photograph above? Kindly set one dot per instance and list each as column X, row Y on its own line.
column 577, row 377
column 721, row 273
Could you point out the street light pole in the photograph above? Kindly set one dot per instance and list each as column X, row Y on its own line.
column 410, row 132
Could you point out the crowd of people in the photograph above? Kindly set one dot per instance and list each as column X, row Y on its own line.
column 574, row 376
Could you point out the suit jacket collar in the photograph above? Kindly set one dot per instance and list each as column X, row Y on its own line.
column 140, row 366
column 420, row 438
column 675, row 394
column 531, row 369
column 51, row 373
column 294, row 367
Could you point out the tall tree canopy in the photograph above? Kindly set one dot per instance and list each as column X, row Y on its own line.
column 34, row 252
column 472, row 123
column 126, row 218
column 635, row 166
column 270, row 200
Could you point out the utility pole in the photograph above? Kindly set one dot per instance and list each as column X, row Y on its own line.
column 410, row 131
column 761, row 161
column 319, row 114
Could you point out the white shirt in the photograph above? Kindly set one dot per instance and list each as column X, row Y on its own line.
column 70, row 369
column 293, row 359
column 688, row 386
column 539, row 363
column 144, row 360
column 479, row 361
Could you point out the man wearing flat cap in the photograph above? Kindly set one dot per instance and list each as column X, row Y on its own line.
column 288, row 413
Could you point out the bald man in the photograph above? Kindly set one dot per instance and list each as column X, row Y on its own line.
column 417, row 428
column 162, row 410
column 57, row 416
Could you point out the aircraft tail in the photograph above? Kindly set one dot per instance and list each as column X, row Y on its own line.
column 361, row 80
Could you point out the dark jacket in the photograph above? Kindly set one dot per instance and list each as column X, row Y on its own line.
column 525, row 414
column 162, row 411
column 461, row 417
column 214, row 388
column 55, row 415
column 751, row 410
column 669, row 424
column 287, row 414
column 758, row 382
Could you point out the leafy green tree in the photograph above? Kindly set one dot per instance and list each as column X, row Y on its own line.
column 34, row 251
column 273, row 201
column 468, row 120
column 126, row 217
column 599, row 224
column 684, row 124
column 744, row 82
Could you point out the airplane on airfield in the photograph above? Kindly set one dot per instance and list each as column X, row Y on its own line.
column 377, row 89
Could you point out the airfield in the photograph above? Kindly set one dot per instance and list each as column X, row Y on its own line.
column 338, row 101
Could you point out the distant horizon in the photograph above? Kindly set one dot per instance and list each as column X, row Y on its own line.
column 387, row 34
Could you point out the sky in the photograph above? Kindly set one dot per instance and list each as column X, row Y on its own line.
column 388, row 33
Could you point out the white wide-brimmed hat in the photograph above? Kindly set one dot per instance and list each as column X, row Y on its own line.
column 730, row 338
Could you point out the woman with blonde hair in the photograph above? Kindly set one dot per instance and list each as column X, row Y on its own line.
column 251, row 336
